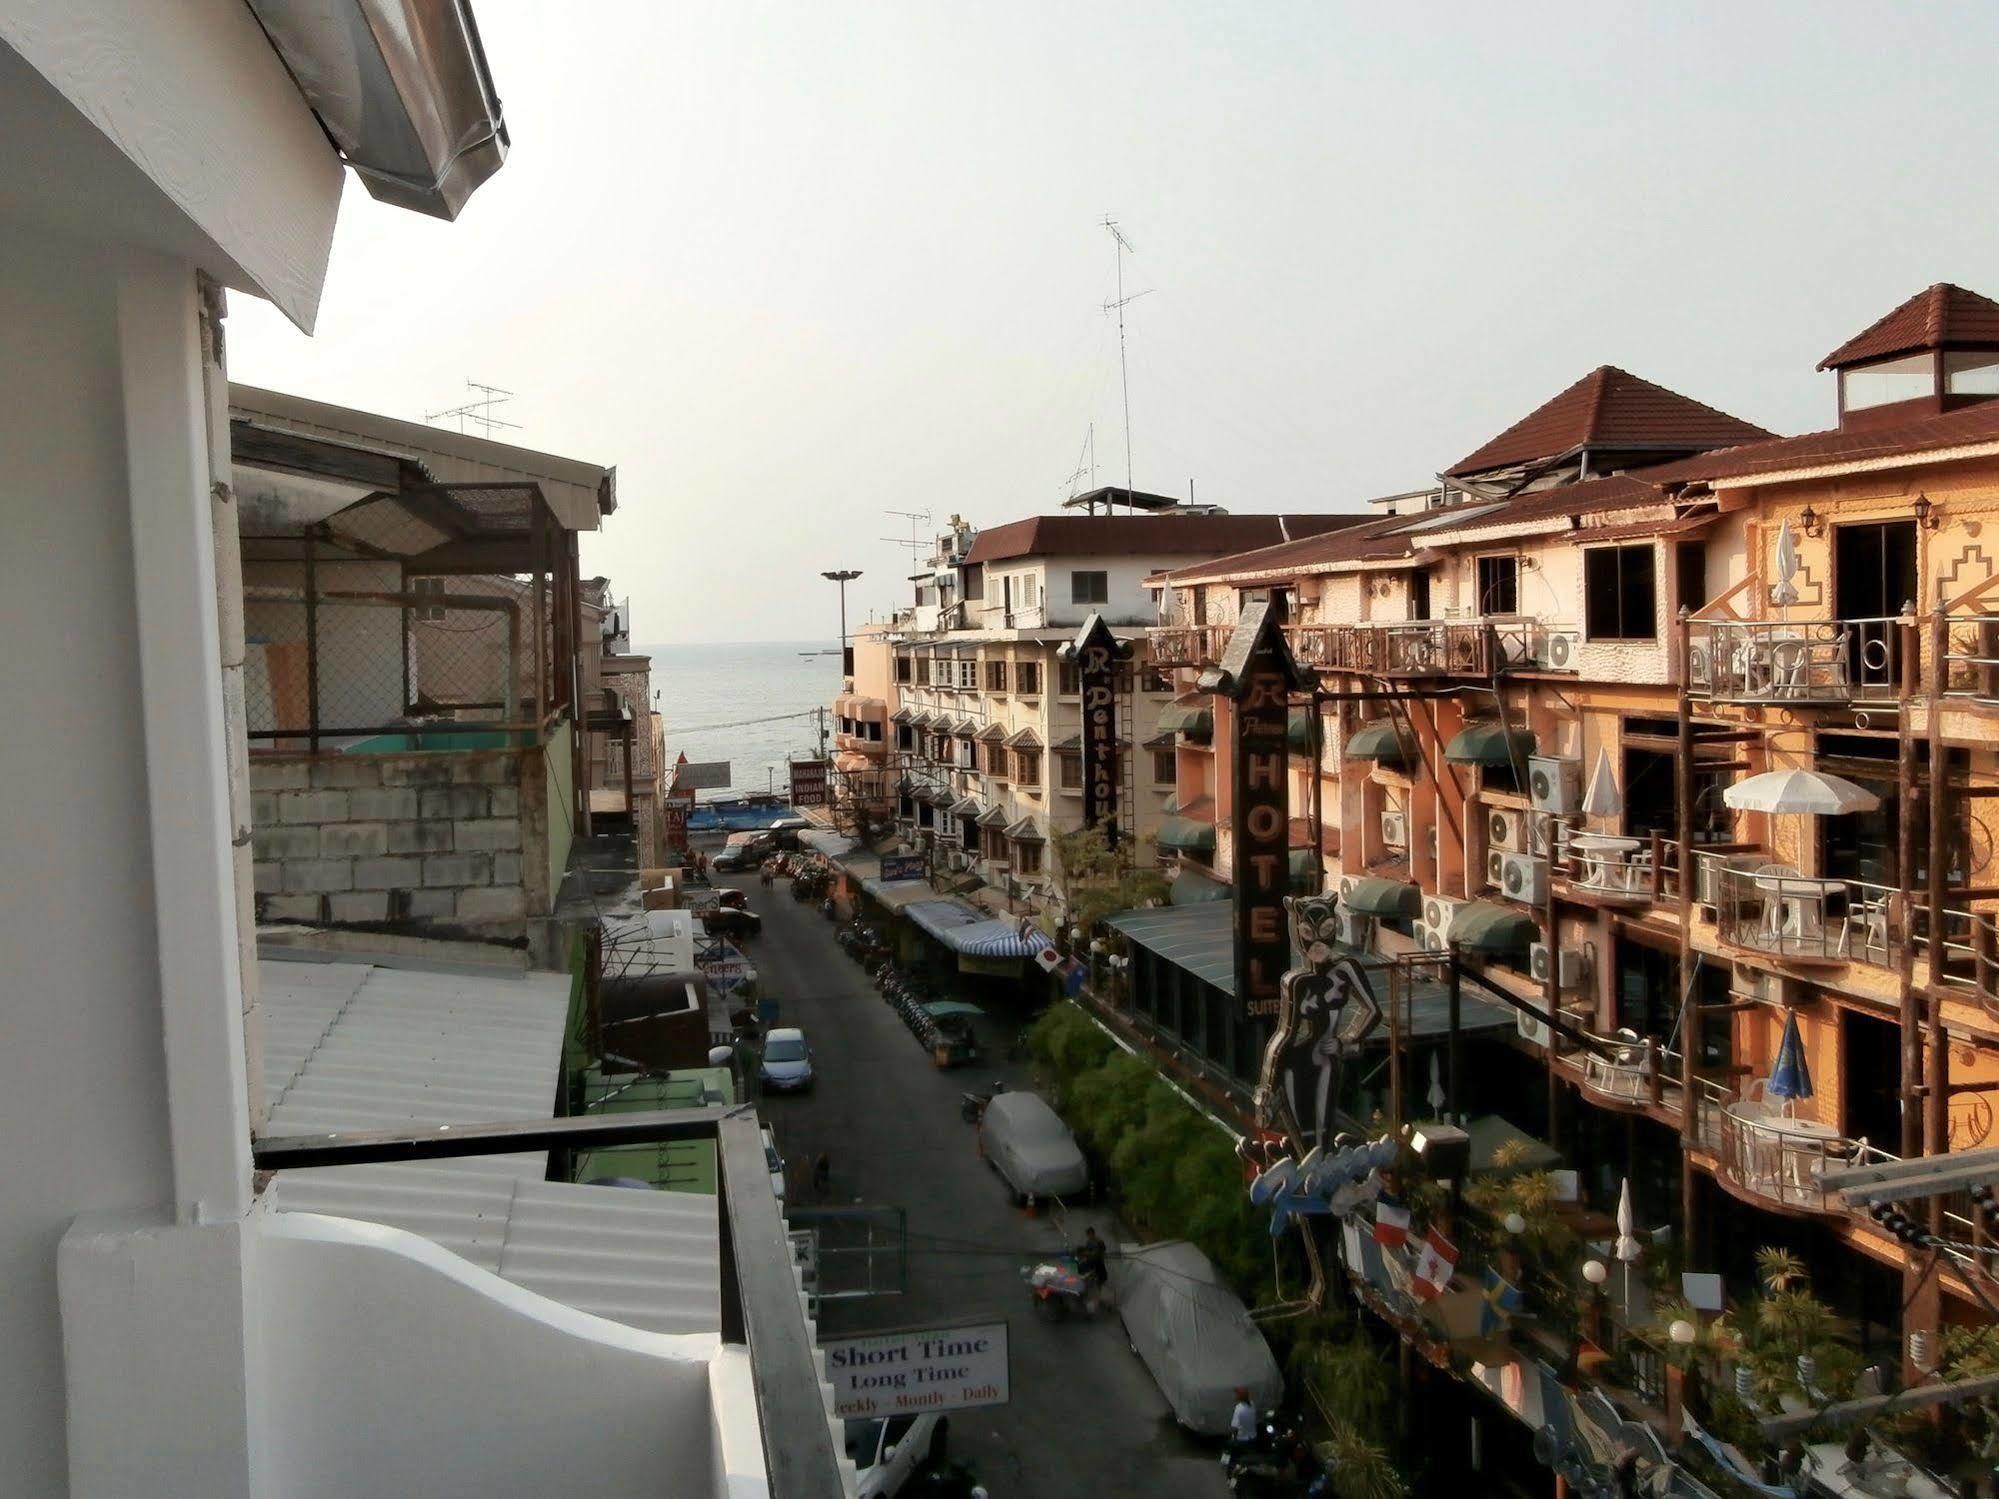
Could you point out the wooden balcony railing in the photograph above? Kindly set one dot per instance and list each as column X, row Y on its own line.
column 1188, row 645
column 1434, row 647
column 1796, row 661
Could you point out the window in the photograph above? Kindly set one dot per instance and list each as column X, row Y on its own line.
column 1027, row 678
column 1027, row 858
column 975, row 582
column 1498, row 585
column 1089, row 588
column 996, row 845
column 968, row 674
column 1068, row 680
column 996, row 760
column 905, row 737
column 1153, row 679
column 1971, row 372
column 1165, row 770
column 1027, row 767
column 428, row 588
column 902, row 670
column 996, row 676
column 1907, row 379
column 1619, row 593
column 922, row 671
column 1069, row 772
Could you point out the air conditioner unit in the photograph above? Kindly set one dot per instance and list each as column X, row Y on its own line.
column 1495, row 866
column 1428, row 938
column 1523, row 877
column 1572, row 965
column 960, row 863
column 1354, row 930
column 1439, row 911
column 1533, row 1031
column 1552, row 781
column 1395, row 829
column 1507, row 830
column 1345, row 887
column 1558, row 649
column 1754, row 984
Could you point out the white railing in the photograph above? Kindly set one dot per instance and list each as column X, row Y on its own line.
column 1805, row 661
column 1786, row 1159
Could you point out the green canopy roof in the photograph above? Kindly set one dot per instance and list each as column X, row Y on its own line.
column 1298, row 730
column 1187, row 835
column 1489, row 743
column 1191, row 888
column 1190, row 719
column 1378, row 897
column 1487, row 926
column 1304, row 870
column 1381, row 741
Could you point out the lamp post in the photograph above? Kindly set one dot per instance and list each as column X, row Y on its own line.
column 843, row 578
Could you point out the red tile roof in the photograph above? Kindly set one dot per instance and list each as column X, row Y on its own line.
column 1936, row 317
column 1367, row 542
column 1610, row 408
column 1952, row 429
column 1145, row 535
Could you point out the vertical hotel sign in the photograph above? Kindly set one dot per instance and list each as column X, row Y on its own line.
column 1096, row 653
column 1259, row 674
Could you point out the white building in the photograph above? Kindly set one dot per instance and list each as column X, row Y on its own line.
column 167, row 1328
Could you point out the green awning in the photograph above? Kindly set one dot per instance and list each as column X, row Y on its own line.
column 1187, row 835
column 1381, row 741
column 1190, row 720
column 1489, row 743
column 1298, row 731
column 1305, row 871
column 1378, row 897
column 1192, row 888
column 1489, row 927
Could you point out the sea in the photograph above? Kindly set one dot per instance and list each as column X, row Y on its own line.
column 749, row 704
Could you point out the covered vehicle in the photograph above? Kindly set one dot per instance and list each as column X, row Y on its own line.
column 1193, row 1333
column 731, row 921
column 1030, row 1146
column 743, row 851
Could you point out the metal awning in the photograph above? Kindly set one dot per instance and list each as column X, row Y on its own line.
column 1298, row 730
column 1380, row 741
column 1189, row 720
column 1187, row 835
column 1489, row 742
column 1487, row 926
column 1371, row 896
column 1305, row 869
column 1191, row 887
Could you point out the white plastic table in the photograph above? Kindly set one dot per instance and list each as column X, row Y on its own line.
column 1800, row 905
column 1607, row 867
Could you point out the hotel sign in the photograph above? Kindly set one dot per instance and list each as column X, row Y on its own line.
column 1097, row 654
column 1259, row 674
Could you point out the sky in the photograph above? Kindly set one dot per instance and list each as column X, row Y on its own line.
column 795, row 267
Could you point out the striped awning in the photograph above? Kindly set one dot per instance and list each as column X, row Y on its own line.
column 967, row 806
column 966, row 728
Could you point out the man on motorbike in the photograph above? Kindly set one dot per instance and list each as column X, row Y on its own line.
column 1090, row 1261
column 1242, row 1420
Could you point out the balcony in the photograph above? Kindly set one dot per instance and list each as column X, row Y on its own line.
column 1434, row 648
column 1782, row 1160
column 1188, row 645
column 1795, row 662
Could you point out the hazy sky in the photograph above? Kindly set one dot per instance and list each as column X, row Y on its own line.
column 791, row 267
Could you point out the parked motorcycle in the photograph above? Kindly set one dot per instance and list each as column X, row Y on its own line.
column 1060, row 1290
column 1279, row 1464
column 972, row 1105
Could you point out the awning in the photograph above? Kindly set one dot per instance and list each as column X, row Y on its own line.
column 1298, row 730
column 1378, row 897
column 992, row 733
column 966, row 929
column 1190, row 720
column 1023, row 739
column 967, row 806
column 899, row 895
column 1489, row 743
column 1305, row 869
column 1187, row 835
column 1159, row 742
column 1073, row 743
column 1026, row 831
column 1487, row 926
column 1381, row 741
column 966, row 728
column 904, row 715
column 993, row 817
column 1193, row 888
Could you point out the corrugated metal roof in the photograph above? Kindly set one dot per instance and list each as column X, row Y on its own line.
column 350, row 1046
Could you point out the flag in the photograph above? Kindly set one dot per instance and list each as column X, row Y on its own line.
column 1391, row 1221
column 1500, row 1301
column 1049, row 959
column 1439, row 1256
column 1073, row 975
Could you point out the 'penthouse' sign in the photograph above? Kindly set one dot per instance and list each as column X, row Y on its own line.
column 1097, row 653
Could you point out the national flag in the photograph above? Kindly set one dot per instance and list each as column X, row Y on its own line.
column 1073, row 976
column 1434, row 1264
column 1049, row 959
column 1391, row 1221
column 1500, row 1301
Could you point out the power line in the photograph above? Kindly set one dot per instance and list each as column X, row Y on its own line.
column 741, row 723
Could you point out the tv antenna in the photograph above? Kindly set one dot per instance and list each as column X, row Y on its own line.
column 1121, row 247
column 1086, row 463
column 916, row 541
column 478, row 410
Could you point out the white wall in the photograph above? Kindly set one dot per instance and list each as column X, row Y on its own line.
column 82, row 1081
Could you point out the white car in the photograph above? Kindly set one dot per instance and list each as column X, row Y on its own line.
column 889, row 1453
column 776, row 1163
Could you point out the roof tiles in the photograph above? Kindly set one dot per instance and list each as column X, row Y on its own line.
column 1934, row 318
column 1145, row 535
column 1613, row 409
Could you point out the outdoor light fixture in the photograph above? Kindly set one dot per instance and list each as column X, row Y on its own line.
column 1596, row 1272
column 1515, row 1224
column 1812, row 522
column 1927, row 515
column 1683, row 1332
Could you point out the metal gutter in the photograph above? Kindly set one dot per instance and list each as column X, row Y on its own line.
column 402, row 89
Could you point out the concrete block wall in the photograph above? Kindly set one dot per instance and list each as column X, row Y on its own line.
column 441, row 839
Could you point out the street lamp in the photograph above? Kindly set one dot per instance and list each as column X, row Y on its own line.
column 843, row 578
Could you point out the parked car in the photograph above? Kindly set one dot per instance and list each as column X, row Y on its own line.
column 784, row 834
column 891, row 1452
column 1031, row 1148
column 1193, row 1334
column 731, row 921
column 743, row 851
column 786, row 1063
column 776, row 1163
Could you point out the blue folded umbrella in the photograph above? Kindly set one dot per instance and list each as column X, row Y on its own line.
column 1791, row 1077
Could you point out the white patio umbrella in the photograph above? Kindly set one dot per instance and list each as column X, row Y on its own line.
column 1786, row 589
column 1602, row 798
column 1628, row 1247
column 1810, row 792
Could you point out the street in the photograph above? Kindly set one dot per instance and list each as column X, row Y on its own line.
column 1085, row 1417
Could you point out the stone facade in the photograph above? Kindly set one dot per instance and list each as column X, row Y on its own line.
column 433, row 839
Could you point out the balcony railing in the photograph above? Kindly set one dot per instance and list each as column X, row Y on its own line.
column 1795, row 661
column 1435, row 647
column 1784, row 1159
column 1188, row 645
column 1971, row 658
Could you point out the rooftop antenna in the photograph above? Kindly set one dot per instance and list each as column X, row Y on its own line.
column 478, row 410
column 919, row 522
column 1086, row 463
column 1120, row 248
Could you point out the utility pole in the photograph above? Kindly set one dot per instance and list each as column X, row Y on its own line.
column 1120, row 248
column 843, row 578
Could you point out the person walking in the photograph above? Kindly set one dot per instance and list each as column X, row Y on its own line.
column 822, row 1174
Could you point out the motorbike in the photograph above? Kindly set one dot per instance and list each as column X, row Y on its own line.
column 1279, row 1464
column 972, row 1105
column 1060, row 1289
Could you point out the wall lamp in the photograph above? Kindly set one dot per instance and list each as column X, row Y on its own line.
column 1812, row 521
column 1927, row 515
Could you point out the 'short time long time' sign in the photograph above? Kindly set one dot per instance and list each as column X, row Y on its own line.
column 904, row 1373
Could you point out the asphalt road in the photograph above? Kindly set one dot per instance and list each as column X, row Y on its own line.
column 1085, row 1417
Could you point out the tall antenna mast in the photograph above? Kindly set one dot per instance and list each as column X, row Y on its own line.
column 916, row 541
column 478, row 410
column 1120, row 248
